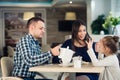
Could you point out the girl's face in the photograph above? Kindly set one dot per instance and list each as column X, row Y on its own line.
column 104, row 49
column 101, row 46
column 82, row 32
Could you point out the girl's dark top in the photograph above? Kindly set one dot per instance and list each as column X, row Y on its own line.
column 79, row 51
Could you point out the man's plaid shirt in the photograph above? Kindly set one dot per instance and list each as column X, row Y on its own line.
column 28, row 54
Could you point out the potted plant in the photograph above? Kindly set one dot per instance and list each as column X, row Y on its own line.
column 96, row 25
column 111, row 22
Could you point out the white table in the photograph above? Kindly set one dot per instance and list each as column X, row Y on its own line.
column 86, row 68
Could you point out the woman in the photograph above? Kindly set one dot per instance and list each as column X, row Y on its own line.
column 108, row 47
column 78, row 44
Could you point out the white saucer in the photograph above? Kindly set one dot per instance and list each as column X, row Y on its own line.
column 84, row 62
column 70, row 64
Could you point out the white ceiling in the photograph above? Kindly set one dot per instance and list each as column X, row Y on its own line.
column 43, row 3
column 65, row 3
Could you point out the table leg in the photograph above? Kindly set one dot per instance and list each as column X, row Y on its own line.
column 72, row 76
column 60, row 76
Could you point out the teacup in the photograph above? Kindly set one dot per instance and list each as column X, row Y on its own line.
column 77, row 61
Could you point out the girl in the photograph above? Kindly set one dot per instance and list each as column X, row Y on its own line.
column 107, row 46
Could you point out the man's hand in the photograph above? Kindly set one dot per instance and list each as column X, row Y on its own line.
column 55, row 51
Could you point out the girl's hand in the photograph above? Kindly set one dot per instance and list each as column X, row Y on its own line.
column 89, row 43
column 97, row 47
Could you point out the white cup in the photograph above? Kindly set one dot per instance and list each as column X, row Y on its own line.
column 77, row 62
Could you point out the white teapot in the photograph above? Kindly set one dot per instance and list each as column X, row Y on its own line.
column 66, row 55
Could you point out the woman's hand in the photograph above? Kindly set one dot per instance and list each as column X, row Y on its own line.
column 89, row 43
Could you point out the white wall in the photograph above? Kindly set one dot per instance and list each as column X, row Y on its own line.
column 115, row 7
column 104, row 7
column 96, row 8
column 88, row 2
column 100, row 7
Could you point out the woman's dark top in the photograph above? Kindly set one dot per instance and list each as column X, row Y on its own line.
column 79, row 51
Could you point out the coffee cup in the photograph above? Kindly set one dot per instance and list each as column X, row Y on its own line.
column 77, row 61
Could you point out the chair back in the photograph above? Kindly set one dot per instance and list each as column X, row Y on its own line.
column 6, row 66
column 10, row 51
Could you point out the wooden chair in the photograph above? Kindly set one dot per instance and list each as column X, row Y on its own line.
column 7, row 67
column 10, row 51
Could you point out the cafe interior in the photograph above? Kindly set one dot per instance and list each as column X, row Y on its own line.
column 58, row 15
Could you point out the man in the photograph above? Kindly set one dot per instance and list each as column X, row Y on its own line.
column 28, row 51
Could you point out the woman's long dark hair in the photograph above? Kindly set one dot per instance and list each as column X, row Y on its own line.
column 75, row 29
